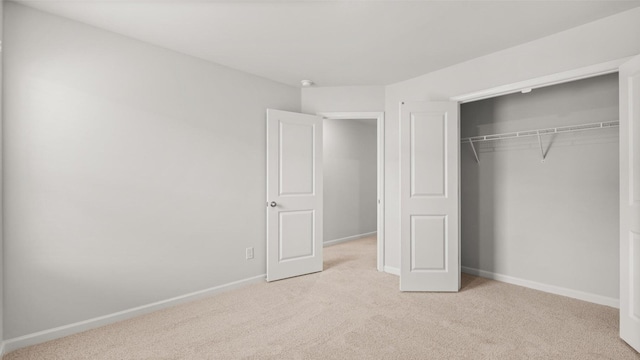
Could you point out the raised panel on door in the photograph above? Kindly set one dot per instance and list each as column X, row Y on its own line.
column 428, row 243
column 428, row 158
column 630, row 202
column 296, row 158
column 429, row 196
column 634, row 266
column 294, row 194
column 296, row 239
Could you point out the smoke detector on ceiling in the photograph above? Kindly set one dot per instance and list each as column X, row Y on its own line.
column 306, row 83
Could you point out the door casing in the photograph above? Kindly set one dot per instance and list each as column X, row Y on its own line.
column 630, row 202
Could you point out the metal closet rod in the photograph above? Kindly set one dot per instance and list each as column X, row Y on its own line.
column 538, row 133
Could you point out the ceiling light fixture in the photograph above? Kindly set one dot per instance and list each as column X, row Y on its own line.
column 306, row 83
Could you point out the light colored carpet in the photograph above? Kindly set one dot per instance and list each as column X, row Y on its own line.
column 351, row 311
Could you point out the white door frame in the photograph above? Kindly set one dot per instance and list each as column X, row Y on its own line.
column 608, row 67
column 543, row 81
column 629, row 202
column 379, row 116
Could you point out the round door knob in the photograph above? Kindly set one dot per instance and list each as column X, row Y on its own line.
column 273, row 204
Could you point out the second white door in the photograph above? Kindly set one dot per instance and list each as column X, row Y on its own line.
column 429, row 197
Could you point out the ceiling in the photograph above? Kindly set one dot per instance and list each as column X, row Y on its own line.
column 334, row 43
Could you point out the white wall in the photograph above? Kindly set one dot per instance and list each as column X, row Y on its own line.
column 350, row 178
column 133, row 173
column 555, row 222
column 607, row 39
column 342, row 98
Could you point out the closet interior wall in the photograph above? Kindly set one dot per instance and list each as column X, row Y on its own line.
column 554, row 222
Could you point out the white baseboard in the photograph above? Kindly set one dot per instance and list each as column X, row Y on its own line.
column 392, row 270
column 62, row 331
column 349, row 238
column 580, row 295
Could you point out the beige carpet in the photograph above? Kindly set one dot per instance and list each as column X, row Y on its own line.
column 351, row 311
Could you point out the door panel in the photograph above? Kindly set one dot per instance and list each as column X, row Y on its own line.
column 294, row 194
column 428, row 243
column 296, row 158
column 428, row 158
column 296, row 238
column 634, row 262
column 429, row 197
column 630, row 202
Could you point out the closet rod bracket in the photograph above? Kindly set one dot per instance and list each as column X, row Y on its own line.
column 540, row 143
column 474, row 150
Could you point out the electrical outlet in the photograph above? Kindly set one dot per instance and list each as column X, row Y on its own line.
column 249, row 253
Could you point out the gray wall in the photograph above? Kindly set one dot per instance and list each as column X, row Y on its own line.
column 342, row 98
column 133, row 173
column 350, row 183
column 1, row 177
column 555, row 222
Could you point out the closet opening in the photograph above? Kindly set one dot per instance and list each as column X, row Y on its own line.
column 353, row 182
column 540, row 188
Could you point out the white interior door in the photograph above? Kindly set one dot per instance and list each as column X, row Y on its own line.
column 294, row 194
column 429, row 196
column 630, row 202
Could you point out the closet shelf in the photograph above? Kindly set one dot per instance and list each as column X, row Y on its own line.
column 538, row 133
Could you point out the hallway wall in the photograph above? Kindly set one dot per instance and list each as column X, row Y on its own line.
column 350, row 178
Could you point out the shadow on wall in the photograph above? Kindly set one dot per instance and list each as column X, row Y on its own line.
column 477, row 195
